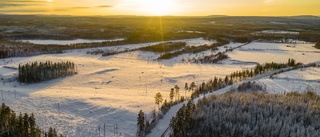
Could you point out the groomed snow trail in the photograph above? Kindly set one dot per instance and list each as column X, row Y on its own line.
column 165, row 121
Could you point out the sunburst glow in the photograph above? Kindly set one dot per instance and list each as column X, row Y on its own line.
column 158, row 7
column 162, row 7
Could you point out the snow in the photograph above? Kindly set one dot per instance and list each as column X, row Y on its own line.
column 278, row 23
column 189, row 42
column 198, row 42
column 280, row 47
column 305, row 74
column 4, row 71
column 208, row 52
column 189, row 31
column 165, row 121
column 294, row 81
column 277, row 32
column 277, row 52
column 110, row 90
column 151, row 56
column 113, row 89
column 67, row 42
column 281, row 86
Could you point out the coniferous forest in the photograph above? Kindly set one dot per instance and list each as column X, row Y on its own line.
column 250, row 115
column 23, row 125
column 41, row 71
column 317, row 45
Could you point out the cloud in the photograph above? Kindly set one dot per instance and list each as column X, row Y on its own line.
column 23, row 1
column 102, row 6
column 11, row 5
column 23, row 10
column 19, row 3
column 105, row 6
column 42, row 6
column 79, row 8
column 268, row 1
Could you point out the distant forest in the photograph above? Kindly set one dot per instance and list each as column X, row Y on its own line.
column 164, row 47
column 318, row 45
column 144, row 29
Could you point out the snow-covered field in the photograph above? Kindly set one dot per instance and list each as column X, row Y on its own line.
column 300, row 80
column 207, row 53
column 306, row 74
column 113, row 89
column 108, row 90
column 189, row 42
column 296, row 80
column 281, row 86
column 276, row 52
column 277, row 31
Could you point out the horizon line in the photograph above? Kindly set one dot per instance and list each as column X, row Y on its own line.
column 298, row 15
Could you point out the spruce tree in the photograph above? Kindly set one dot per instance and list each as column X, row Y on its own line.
column 177, row 90
column 171, row 95
column 141, row 125
column 185, row 89
column 158, row 99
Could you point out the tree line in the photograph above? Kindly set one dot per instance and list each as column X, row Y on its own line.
column 160, row 48
column 318, row 45
column 164, row 47
column 213, row 58
column 22, row 49
column 194, row 49
column 41, row 71
column 218, row 83
column 23, row 125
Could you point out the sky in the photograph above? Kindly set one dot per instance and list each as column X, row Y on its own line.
column 162, row 7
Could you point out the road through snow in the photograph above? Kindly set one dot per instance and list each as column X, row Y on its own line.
column 163, row 124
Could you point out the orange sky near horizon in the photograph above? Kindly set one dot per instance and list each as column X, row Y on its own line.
column 162, row 7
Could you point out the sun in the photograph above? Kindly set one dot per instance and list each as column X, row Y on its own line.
column 157, row 7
